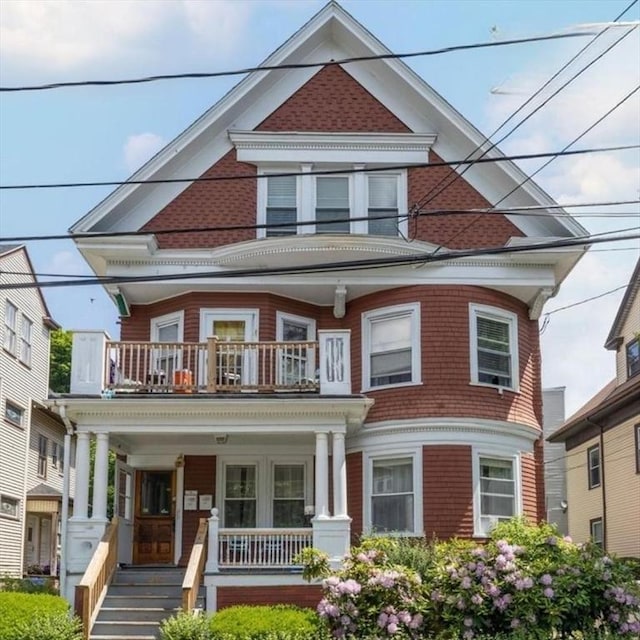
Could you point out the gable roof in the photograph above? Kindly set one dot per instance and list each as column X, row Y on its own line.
column 5, row 250
column 633, row 289
column 331, row 34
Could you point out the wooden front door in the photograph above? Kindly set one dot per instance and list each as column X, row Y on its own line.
column 154, row 518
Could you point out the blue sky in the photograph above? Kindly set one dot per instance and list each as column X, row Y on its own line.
column 84, row 134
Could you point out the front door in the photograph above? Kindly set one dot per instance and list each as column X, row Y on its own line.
column 154, row 517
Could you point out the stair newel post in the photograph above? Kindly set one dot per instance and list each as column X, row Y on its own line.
column 212, row 551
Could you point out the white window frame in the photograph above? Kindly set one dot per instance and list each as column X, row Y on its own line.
column 26, row 338
column 306, row 196
column 264, row 481
column 18, row 409
column 413, row 310
column 494, row 454
column 593, row 523
column 310, row 323
column 499, row 315
column 43, row 456
column 8, row 497
column 590, row 450
column 10, row 340
column 159, row 322
column 415, row 454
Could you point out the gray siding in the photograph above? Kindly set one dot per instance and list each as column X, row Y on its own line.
column 555, row 480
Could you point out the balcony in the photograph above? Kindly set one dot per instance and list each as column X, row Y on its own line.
column 100, row 366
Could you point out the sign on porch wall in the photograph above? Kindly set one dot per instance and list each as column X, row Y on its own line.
column 191, row 500
column 206, row 502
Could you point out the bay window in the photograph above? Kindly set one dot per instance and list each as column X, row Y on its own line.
column 281, row 205
column 332, row 204
column 392, row 496
column 383, row 205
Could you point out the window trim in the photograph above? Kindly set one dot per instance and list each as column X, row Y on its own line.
column 43, row 456
column 634, row 342
column 159, row 322
column 590, row 450
column 10, row 330
column 306, row 470
column 477, row 454
column 500, row 315
column 593, row 522
column 18, row 409
column 306, row 197
column 26, row 342
column 637, row 439
column 9, row 496
column 413, row 310
column 415, row 454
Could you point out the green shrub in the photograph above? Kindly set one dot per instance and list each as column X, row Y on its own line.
column 28, row 616
column 27, row 585
column 185, row 626
column 280, row 622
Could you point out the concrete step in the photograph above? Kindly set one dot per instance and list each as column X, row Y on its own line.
column 130, row 629
column 136, row 614
column 149, row 576
column 135, row 590
column 141, row 601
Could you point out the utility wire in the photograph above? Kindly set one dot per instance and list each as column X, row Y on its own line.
column 430, row 196
column 300, row 65
column 348, row 265
column 322, row 172
column 579, row 302
column 533, row 211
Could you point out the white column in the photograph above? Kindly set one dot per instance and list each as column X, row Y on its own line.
column 212, row 549
column 322, row 475
column 81, row 499
column 101, row 477
column 339, row 477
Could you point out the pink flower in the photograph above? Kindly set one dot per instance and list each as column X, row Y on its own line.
column 548, row 592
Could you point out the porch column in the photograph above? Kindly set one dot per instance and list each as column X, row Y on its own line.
column 322, row 475
column 81, row 500
column 101, row 477
column 339, row 477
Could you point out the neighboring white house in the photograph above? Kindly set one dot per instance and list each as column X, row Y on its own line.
column 31, row 437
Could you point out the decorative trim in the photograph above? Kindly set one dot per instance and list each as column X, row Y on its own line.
column 535, row 308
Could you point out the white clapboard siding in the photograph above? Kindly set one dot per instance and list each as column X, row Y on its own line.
column 630, row 329
column 555, row 479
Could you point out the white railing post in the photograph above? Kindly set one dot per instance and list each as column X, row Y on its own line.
column 88, row 362
column 335, row 362
column 212, row 555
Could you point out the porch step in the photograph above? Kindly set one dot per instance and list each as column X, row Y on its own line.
column 137, row 601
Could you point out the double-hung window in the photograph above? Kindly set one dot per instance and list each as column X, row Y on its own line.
column 493, row 347
column 282, row 207
column 240, row 499
column 10, row 327
column 43, row 446
column 332, row 204
column 25, row 341
column 391, row 346
column 593, row 466
column 392, row 495
column 167, row 359
column 496, row 492
column 288, row 495
column 633, row 358
column 596, row 531
column 382, row 209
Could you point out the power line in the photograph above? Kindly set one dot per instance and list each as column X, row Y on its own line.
column 300, row 65
column 322, row 172
column 430, row 196
column 349, row 265
column 533, row 211
column 579, row 302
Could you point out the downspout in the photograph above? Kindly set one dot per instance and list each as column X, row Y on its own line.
column 602, row 485
column 66, row 490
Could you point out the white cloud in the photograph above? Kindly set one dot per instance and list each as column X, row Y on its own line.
column 74, row 38
column 140, row 147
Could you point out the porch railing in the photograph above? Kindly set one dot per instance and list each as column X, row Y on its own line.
column 212, row 366
column 195, row 568
column 92, row 588
column 267, row 548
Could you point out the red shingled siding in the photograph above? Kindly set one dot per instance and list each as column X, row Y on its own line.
column 355, row 492
column 447, row 491
column 300, row 595
column 199, row 474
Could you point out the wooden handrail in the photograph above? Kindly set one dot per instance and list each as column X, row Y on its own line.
column 195, row 568
column 92, row 588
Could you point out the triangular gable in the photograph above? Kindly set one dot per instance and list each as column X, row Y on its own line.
column 615, row 336
column 331, row 34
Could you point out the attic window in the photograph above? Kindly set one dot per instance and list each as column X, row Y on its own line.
column 633, row 358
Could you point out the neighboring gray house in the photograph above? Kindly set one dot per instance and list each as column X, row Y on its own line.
column 555, row 479
column 31, row 437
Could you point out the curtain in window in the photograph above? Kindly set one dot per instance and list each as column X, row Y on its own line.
column 281, row 205
column 390, row 350
column 288, row 495
column 494, row 352
column 332, row 203
column 392, row 495
column 383, row 201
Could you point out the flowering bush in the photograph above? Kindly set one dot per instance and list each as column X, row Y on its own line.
column 526, row 582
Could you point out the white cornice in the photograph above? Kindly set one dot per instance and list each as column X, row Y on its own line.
column 314, row 147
